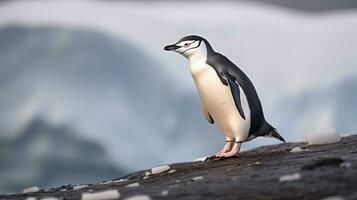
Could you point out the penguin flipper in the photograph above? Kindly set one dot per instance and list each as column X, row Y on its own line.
column 207, row 115
column 234, row 86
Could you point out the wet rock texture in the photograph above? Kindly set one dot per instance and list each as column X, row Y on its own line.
column 327, row 170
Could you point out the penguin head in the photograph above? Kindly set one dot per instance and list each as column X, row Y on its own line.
column 192, row 47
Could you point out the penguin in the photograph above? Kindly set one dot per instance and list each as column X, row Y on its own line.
column 228, row 97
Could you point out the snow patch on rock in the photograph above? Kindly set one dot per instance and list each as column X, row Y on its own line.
column 323, row 137
column 31, row 189
column 103, row 195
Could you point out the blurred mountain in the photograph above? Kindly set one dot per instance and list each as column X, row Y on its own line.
column 47, row 155
column 332, row 107
column 104, row 87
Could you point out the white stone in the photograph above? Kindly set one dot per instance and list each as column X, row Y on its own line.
column 147, row 173
column 171, row 171
column 345, row 135
column 323, row 137
column 103, row 195
column 200, row 159
column 105, row 182
column 30, row 198
column 160, row 169
column 138, row 197
column 31, row 189
column 290, row 177
column 78, row 187
column 197, row 178
column 296, row 150
column 49, row 198
column 164, row 193
column 345, row 164
column 133, row 185
column 120, row 180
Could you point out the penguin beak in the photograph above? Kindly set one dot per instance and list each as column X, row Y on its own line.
column 171, row 47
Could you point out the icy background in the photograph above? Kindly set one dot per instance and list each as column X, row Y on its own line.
column 97, row 70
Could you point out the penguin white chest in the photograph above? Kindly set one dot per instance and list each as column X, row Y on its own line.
column 219, row 102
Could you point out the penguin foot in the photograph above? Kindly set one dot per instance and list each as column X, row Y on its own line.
column 214, row 158
column 233, row 152
column 227, row 147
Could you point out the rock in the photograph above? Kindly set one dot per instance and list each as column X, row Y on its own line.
column 320, row 173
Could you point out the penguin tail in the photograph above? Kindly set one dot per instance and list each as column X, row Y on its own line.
column 273, row 133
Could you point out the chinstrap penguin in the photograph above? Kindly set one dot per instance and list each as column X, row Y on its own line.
column 228, row 97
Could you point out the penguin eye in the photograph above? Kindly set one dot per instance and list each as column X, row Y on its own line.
column 186, row 44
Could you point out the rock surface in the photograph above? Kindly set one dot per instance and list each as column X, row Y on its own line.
column 325, row 171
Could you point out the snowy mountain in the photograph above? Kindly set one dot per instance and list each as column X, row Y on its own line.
column 331, row 107
column 105, row 88
column 47, row 155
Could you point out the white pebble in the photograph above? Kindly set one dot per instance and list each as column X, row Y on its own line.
column 31, row 189
column 147, row 173
column 171, row 171
column 104, row 195
column 174, row 186
column 120, row 180
column 63, row 190
column 197, row 178
column 160, row 169
column 296, row 150
column 290, row 177
column 200, row 159
column 345, row 164
column 257, row 163
column 133, row 185
column 334, row 198
column 145, row 177
column 138, row 197
column 78, row 187
column 30, row 198
column 49, row 198
column 105, row 182
column 345, row 135
column 323, row 137
column 164, row 193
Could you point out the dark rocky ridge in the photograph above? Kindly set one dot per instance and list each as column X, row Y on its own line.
column 253, row 175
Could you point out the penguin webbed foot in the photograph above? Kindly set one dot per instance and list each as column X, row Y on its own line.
column 214, row 158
